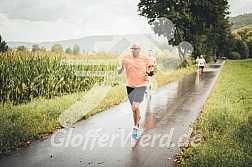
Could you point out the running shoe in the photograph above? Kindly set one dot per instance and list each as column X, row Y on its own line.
column 135, row 133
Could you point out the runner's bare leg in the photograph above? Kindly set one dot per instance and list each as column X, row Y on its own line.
column 136, row 113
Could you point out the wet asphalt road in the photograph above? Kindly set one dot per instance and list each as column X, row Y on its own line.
column 105, row 139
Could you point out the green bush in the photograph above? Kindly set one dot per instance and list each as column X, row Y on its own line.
column 249, row 44
column 234, row 56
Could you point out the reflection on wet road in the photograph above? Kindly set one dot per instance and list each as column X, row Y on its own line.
column 105, row 139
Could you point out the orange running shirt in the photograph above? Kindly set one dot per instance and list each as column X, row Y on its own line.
column 136, row 70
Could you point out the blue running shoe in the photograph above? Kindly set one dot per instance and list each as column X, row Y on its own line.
column 135, row 134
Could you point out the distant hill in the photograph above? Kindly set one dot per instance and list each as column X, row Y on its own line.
column 111, row 43
column 241, row 21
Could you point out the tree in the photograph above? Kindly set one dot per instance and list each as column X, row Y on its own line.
column 3, row 45
column 228, row 45
column 57, row 48
column 211, row 22
column 35, row 48
column 69, row 51
column 42, row 49
column 249, row 44
column 242, row 48
column 21, row 48
column 76, row 49
column 202, row 23
column 244, row 35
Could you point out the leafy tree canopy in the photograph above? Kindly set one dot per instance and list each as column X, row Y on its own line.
column 203, row 23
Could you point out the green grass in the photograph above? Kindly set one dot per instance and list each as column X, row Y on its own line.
column 33, row 120
column 226, row 121
column 25, row 122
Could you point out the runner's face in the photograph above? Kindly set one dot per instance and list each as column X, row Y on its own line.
column 135, row 50
column 150, row 53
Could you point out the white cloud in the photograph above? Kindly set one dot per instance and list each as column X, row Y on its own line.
column 240, row 7
column 35, row 10
column 46, row 20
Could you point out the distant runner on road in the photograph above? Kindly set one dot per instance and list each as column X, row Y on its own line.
column 151, row 73
column 202, row 63
column 197, row 63
column 137, row 67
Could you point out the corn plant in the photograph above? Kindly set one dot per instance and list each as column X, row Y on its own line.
column 26, row 75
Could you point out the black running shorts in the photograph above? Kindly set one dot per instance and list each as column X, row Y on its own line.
column 136, row 94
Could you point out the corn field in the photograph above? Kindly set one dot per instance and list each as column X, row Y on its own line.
column 27, row 75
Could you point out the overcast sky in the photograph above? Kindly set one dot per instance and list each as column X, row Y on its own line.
column 53, row 20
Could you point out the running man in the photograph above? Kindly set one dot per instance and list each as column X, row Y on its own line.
column 214, row 59
column 137, row 67
column 154, row 62
column 202, row 63
column 197, row 63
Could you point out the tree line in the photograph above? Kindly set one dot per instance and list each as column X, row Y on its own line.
column 57, row 48
column 203, row 23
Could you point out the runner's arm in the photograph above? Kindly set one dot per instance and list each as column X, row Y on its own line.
column 122, row 67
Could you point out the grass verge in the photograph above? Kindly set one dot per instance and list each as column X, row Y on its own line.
column 225, row 125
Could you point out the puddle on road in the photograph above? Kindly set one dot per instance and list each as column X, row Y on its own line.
column 176, row 98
